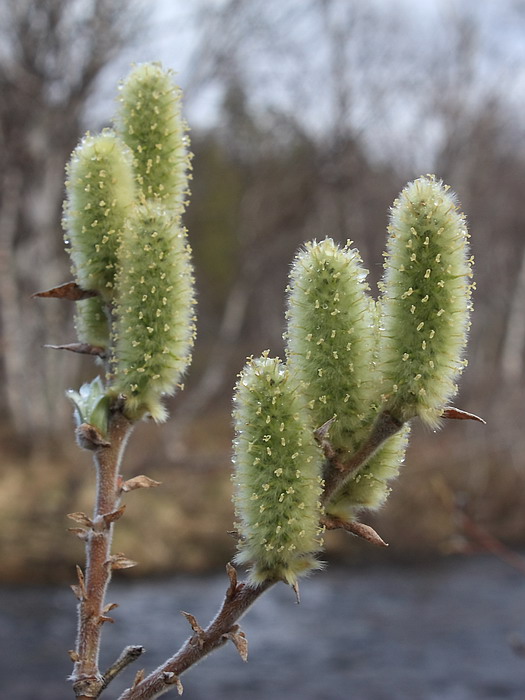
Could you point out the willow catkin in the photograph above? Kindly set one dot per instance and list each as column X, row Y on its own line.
column 426, row 301
column 100, row 194
column 150, row 122
column 331, row 337
column 154, row 328
column 277, row 482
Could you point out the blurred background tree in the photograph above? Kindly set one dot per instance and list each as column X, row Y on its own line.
column 307, row 119
column 51, row 56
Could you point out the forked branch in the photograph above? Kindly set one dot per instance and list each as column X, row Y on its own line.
column 239, row 597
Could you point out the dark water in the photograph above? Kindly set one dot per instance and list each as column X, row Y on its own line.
column 438, row 632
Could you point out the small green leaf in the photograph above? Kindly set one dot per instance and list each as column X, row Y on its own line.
column 91, row 405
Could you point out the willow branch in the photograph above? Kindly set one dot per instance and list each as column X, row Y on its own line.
column 222, row 628
column 337, row 469
column 91, row 590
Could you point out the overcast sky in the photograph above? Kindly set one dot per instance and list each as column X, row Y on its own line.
column 293, row 68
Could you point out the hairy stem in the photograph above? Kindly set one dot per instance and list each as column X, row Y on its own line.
column 338, row 469
column 239, row 598
column 86, row 677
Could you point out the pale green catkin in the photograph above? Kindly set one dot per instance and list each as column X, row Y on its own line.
column 100, row 193
column 91, row 322
column 277, row 482
column 331, row 337
column 369, row 488
column 149, row 120
column 154, row 330
column 426, row 301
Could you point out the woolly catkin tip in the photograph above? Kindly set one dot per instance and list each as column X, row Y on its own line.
column 426, row 301
column 149, row 120
column 100, row 193
column 154, row 329
column 277, row 475
column 331, row 337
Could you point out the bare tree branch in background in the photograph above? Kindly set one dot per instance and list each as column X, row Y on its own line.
column 292, row 177
column 51, row 56
column 513, row 354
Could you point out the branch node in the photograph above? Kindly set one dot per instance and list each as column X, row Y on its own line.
column 120, row 561
column 79, row 532
column 105, row 618
column 79, row 589
column 238, row 638
column 112, row 517
column 87, row 686
column 110, row 606
column 321, row 436
column 81, row 518
column 323, row 431
column 139, row 677
column 139, row 482
column 199, row 632
column 89, row 438
column 171, row 678
column 232, row 575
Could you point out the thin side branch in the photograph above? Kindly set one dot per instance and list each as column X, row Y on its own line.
column 337, row 470
column 239, row 597
column 129, row 654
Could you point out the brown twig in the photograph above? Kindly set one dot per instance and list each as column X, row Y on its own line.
column 486, row 540
column 337, row 471
column 356, row 528
column 128, row 656
column 91, row 590
column 239, row 597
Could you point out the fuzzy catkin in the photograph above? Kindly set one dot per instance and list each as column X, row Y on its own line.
column 100, row 193
column 155, row 316
column 277, row 482
column 149, row 120
column 91, row 322
column 426, row 301
column 331, row 338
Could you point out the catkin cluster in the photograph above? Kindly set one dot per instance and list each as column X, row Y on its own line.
column 353, row 364
column 126, row 192
column 352, row 361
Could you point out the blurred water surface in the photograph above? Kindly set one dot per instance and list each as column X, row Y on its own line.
column 433, row 632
